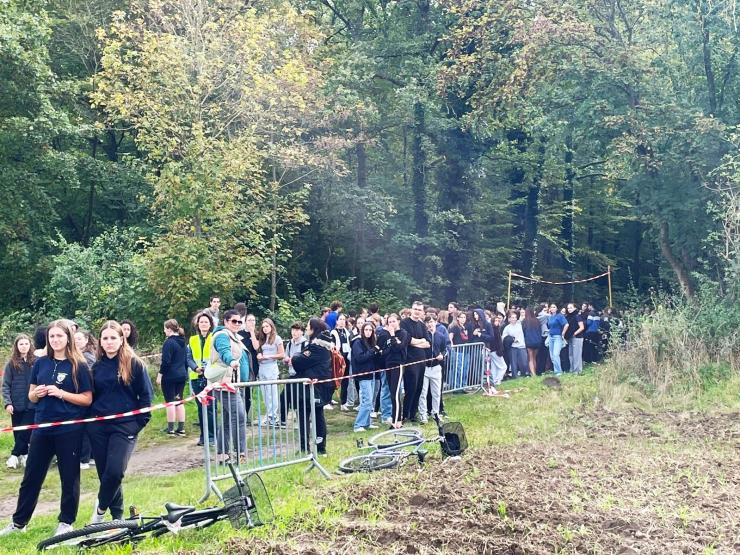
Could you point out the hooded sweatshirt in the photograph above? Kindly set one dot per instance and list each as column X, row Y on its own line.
column 174, row 365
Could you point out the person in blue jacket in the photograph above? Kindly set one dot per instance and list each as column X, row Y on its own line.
column 229, row 350
column 557, row 326
column 314, row 363
column 120, row 384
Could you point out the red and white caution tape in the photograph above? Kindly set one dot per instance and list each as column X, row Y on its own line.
column 537, row 280
column 203, row 397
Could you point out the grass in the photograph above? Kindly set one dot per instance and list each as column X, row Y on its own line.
column 534, row 413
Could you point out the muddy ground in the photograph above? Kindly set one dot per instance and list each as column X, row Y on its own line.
column 608, row 483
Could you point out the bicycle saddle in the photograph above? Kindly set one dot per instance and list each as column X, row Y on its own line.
column 176, row 512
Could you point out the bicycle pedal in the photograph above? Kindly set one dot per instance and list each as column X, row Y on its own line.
column 360, row 443
column 421, row 454
column 133, row 512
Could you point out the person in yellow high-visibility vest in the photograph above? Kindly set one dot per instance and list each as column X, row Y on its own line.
column 199, row 353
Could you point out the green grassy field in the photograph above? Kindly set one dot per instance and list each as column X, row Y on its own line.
column 535, row 414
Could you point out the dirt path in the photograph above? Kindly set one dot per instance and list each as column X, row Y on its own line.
column 625, row 484
column 157, row 460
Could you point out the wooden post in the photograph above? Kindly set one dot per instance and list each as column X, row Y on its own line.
column 508, row 295
column 609, row 275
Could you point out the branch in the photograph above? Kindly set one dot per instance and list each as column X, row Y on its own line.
column 389, row 79
column 336, row 12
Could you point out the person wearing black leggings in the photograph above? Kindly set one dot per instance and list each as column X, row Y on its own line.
column 61, row 388
column 121, row 384
column 393, row 342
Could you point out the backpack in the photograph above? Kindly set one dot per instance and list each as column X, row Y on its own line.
column 338, row 366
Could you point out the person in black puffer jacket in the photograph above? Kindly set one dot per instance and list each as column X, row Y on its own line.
column 173, row 374
column 314, row 363
column 16, row 381
column 364, row 357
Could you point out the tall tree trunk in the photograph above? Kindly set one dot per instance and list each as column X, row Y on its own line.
column 418, row 186
column 361, row 229
column 707, row 55
column 569, row 206
column 678, row 267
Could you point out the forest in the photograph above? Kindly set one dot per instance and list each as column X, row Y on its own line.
column 156, row 152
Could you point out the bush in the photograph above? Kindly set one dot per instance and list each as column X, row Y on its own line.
column 681, row 348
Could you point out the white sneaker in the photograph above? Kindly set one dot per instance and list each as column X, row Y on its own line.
column 328, row 407
column 359, row 430
column 373, row 415
column 84, row 466
column 96, row 518
column 12, row 462
column 11, row 529
column 63, row 528
column 372, row 427
column 388, row 421
column 344, row 408
column 23, row 459
column 356, row 409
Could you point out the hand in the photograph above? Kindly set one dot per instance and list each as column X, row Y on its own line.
column 424, row 344
column 440, row 356
column 54, row 391
column 9, row 409
column 286, row 360
column 235, row 363
column 260, row 356
column 159, row 380
column 200, row 370
column 41, row 391
column 477, row 332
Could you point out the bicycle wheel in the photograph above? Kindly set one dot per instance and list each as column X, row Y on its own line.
column 392, row 439
column 262, row 513
column 370, row 462
column 93, row 535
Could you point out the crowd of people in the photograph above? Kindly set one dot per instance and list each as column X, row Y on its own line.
column 397, row 366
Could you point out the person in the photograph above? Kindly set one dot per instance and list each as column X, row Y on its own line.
column 248, row 336
column 532, row 339
column 433, row 374
column 518, row 347
column 342, row 336
column 592, row 337
column 331, row 318
column 229, row 363
column 198, row 354
column 88, row 346
column 574, row 337
column 364, row 360
column 478, row 328
column 453, row 309
column 61, row 388
column 498, row 363
column 270, row 351
column 16, row 381
column 214, row 304
column 414, row 365
column 314, row 363
column 556, row 327
column 289, row 396
column 543, row 355
column 39, row 341
column 459, row 363
column 120, row 384
column 130, row 332
column 173, row 373
column 393, row 342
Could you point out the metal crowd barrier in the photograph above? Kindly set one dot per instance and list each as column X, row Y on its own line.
column 464, row 367
column 263, row 425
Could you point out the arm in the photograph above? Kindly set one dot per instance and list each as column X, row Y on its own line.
column 7, row 384
column 580, row 329
column 565, row 330
column 280, row 351
column 222, row 344
column 190, row 360
column 361, row 355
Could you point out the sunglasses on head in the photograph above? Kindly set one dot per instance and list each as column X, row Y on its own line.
column 235, row 321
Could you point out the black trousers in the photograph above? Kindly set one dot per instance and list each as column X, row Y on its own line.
column 394, row 386
column 322, row 396
column 43, row 447
column 112, row 445
column 21, row 439
column 289, row 399
column 344, row 387
column 413, row 379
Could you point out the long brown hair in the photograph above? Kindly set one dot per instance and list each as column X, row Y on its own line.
column 172, row 325
column 126, row 355
column 16, row 358
column 71, row 352
column 265, row 338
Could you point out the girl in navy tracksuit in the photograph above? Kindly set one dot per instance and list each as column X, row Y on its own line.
column 121, row 384
column 61, row 388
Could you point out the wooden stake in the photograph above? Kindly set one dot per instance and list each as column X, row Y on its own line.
column 609, row 275
column 508, row 295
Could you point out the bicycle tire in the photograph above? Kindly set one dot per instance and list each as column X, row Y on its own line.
column 370, row 462
column 392, row 439
column 89, row 535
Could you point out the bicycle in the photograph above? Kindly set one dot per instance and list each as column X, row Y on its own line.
column 393, row 448
column 246, row 505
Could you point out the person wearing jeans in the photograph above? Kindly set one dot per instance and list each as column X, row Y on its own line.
column 557, row 325
column 364, row 358
column 574, row 336
column 271, row 350
column 433, row 373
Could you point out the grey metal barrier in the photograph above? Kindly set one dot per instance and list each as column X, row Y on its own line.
column 464, row 367
column 262, row 425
